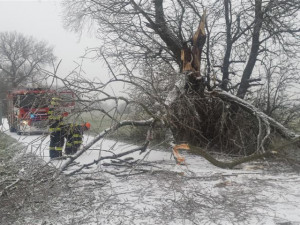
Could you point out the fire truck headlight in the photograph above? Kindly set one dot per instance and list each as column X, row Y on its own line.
column 24, row 122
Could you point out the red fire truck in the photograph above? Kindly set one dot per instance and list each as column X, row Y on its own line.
column 28, row 108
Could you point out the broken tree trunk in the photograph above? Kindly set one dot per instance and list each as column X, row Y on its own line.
column 216, row 120
column 191, row 60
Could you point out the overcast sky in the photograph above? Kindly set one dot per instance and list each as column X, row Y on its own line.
column 42, row 20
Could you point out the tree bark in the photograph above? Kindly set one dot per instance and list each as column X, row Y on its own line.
column 226, row 60
column 234, row 163
column 254, row 50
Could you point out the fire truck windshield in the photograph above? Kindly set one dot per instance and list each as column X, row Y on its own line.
column 33, row 100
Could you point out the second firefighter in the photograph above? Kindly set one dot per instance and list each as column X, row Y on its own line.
column 74, row 136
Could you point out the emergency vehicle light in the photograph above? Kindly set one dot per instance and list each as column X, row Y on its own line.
column 24, row 122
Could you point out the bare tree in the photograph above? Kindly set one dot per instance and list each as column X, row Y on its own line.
column 277, row 97
column 22, row 57
column 239, row 32
column 147, row 40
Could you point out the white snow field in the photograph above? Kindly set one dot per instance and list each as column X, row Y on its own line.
column 196, row 193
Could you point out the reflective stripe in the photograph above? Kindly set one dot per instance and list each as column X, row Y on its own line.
column 54, row 129
column 58, row 148
column 55, row 101
column 68, row 144
column 52, row 117
column 77, row 142
column 50, row 112
column 77, row 135
column 52, row 148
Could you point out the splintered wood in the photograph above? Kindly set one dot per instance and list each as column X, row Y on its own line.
column 180, row 159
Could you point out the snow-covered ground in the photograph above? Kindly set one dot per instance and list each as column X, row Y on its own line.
column 196, row 193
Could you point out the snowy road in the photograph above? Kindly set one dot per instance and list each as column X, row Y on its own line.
column 198, row 193
column 39, row 145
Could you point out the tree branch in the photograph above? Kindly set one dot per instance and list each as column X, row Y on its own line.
column 102, row 135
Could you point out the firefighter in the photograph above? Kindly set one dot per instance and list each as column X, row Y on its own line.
column 74, row 135
column 56, row 128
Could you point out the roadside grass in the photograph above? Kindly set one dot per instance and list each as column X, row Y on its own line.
column 7, row 151
column 6, row 142
column 296, row 126
column 26, row 184
column 8, row 176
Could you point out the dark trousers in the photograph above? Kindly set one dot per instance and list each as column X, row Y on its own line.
column 71, row 148
column 56, row 144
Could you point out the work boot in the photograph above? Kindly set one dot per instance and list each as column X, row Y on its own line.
column 55, row 154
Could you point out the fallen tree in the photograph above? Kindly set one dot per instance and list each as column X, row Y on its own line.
column 268, row 121
column 148, row 48
column 217, row 118
column 278, row 153
column 164, row 120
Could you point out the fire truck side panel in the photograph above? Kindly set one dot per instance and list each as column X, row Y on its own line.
column 28, row 109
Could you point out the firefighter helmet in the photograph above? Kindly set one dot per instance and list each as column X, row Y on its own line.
column 87, row 125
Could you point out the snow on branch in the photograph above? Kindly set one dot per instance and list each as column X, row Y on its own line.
column 255, row 111
column 102, row 135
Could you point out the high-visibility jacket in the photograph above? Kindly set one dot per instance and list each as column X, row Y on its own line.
column 54, row 114
column 74, row 135
column 57, row 126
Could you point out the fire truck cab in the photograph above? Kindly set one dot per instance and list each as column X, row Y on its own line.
column 28, row 109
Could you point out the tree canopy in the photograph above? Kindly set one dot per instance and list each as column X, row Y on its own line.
column 240, row 34
column 192, row 63
column 21, row 58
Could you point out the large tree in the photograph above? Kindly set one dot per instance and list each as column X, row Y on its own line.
column 21, row 58
column 239, row 33
column 175, row 64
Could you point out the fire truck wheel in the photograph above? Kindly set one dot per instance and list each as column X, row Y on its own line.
column 12, row 129
column 19, row 131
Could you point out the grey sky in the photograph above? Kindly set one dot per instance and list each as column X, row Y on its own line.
column 42, row 20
